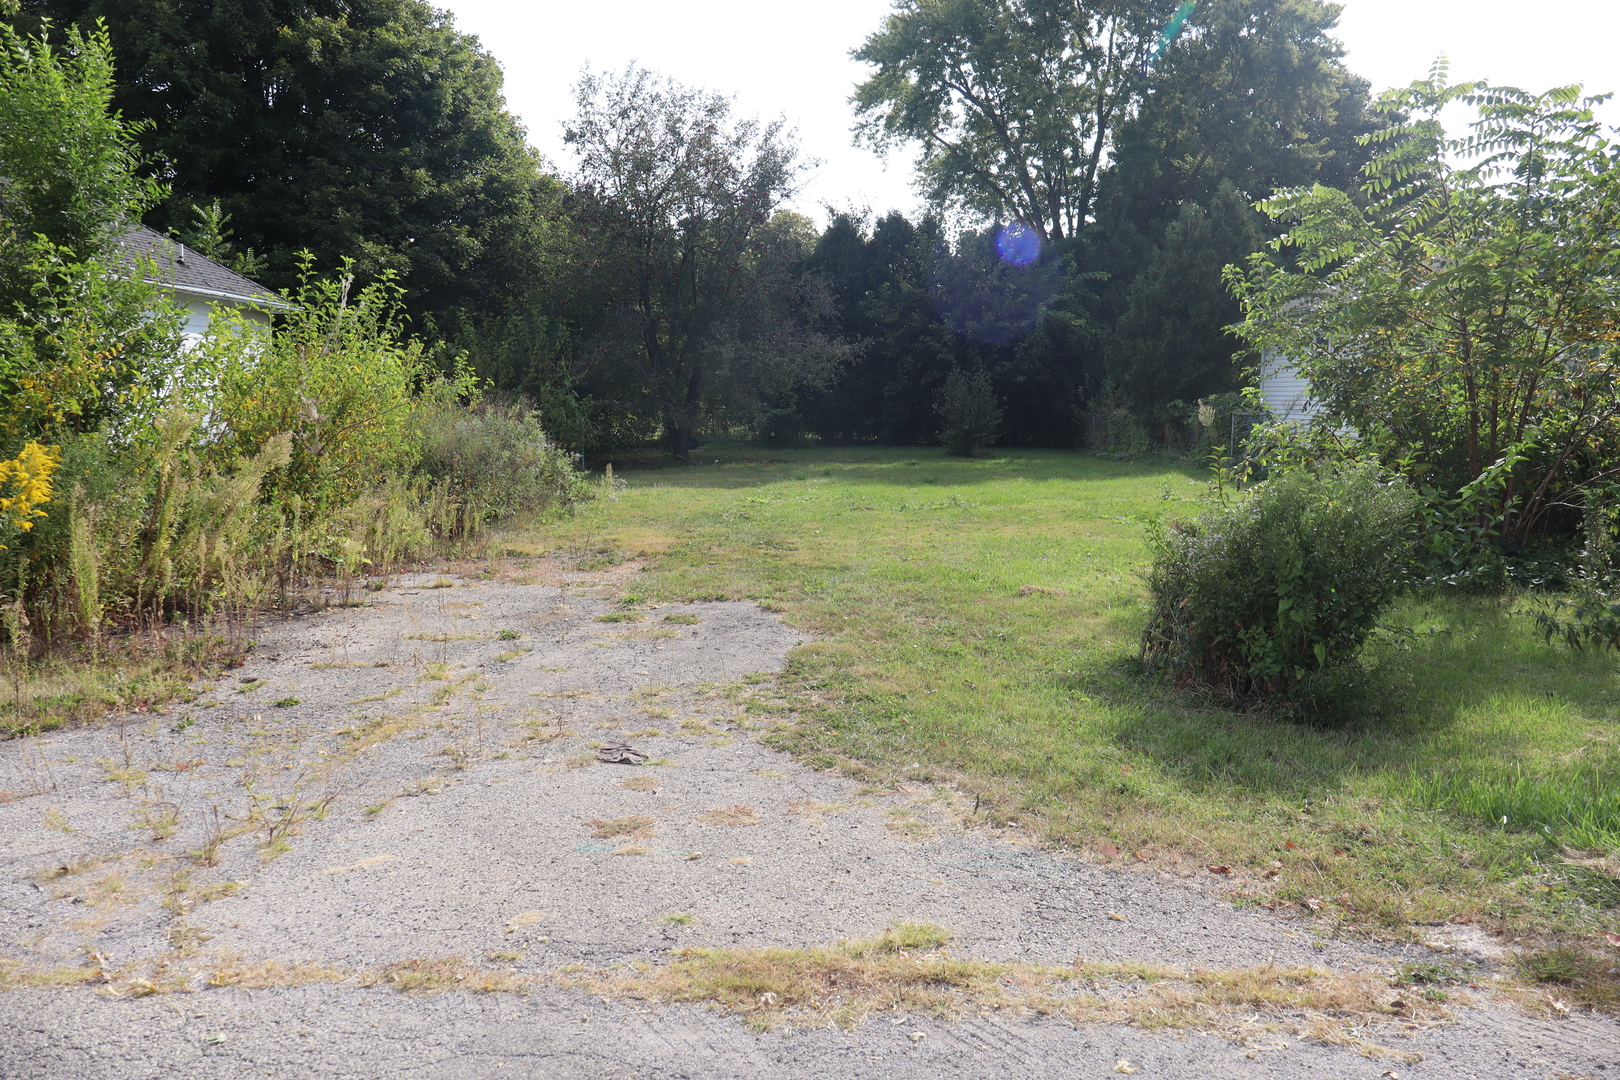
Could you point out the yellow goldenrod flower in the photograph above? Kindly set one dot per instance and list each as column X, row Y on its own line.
column 27, row 478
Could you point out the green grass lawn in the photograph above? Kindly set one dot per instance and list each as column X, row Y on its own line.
column 977, row 622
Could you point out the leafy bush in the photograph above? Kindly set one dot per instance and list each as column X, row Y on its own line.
column 967, row 404
column 494, row 462
column 779, row 428
column 1282, row 586
column 338, row 375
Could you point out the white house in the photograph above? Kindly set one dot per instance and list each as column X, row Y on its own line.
column 197, row 283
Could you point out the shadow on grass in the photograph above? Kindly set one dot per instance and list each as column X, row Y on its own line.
column 1472, row 689
column 898, row 466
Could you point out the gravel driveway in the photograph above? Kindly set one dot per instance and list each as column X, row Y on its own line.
column 418, row 779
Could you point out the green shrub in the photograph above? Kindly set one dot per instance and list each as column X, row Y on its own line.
column 494, row 462
column 779, row 428
column 338, row 375
column 967, row 405
column 1274, row 592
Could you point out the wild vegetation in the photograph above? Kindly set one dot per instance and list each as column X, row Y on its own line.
column 1405, row 609
column 977, row 624
column 150, row 483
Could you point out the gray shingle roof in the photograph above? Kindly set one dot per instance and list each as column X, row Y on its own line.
column 187, row 271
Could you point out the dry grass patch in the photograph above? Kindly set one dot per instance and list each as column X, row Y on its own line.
column 812, row 811
column 735, row 815
column 450, row 973
column 910, row 968
column 640, row 783
column 634, row 827
column 909, row 825
column 14, row 976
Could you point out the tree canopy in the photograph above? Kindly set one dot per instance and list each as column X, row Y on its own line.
column 1013, row 101
column 1471, row 314
column 366, row 129
column 676, row 230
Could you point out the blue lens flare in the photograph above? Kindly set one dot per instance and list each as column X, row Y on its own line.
column 1018, row 244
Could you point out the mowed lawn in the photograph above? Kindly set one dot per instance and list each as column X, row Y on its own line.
column 976, row 622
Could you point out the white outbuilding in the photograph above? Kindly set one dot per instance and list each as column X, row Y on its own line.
column 197, row 283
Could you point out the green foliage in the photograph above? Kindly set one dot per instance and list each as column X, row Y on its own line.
column 336, row 376
column 200, row 480
column 692, row 269
column 530, row 353
column 81, row 342
column 209, row 232
column 494, row 462
column 970, row 413
column 1256, row 598
column 1171, row 343
column 1253, row 94
column 372, row 130
column 1013, row 102
column 69, row 164
column 779, row 428
column 1468, row 312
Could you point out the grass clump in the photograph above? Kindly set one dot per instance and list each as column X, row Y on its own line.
column 636, row 826
column 1576, row 801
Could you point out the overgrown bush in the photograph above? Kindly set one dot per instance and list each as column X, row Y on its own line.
column 779, row 428
column 971, row 415
column 1276, row 590
column 494, row 462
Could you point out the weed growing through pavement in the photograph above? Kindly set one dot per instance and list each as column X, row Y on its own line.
column 735, row 815
column 635, row 827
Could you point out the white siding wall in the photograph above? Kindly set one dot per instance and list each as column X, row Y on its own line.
column 199, row 311
column 1284, row 389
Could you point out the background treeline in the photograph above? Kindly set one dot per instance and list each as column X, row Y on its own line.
column 655, row 288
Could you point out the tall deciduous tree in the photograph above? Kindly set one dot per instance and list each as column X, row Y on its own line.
column 1473, row 313
column 1014, row 102
column 369, row 129
column 1253, row 95
column 676, row 229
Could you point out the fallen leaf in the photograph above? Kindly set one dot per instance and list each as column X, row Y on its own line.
column 918, row 1036
column 1614, row 939
column 1312, row 902
column 1117, row 917
column 1288, row 845
column 1123, row 1065
column 694, row 855
column 1107, row 850
column 1220, row 868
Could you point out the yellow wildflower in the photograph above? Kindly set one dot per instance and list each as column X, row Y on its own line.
column 28, row 477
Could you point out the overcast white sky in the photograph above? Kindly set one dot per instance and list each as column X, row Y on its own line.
column 793, row 60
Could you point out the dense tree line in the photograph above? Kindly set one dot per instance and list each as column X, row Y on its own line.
column 658, row 288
